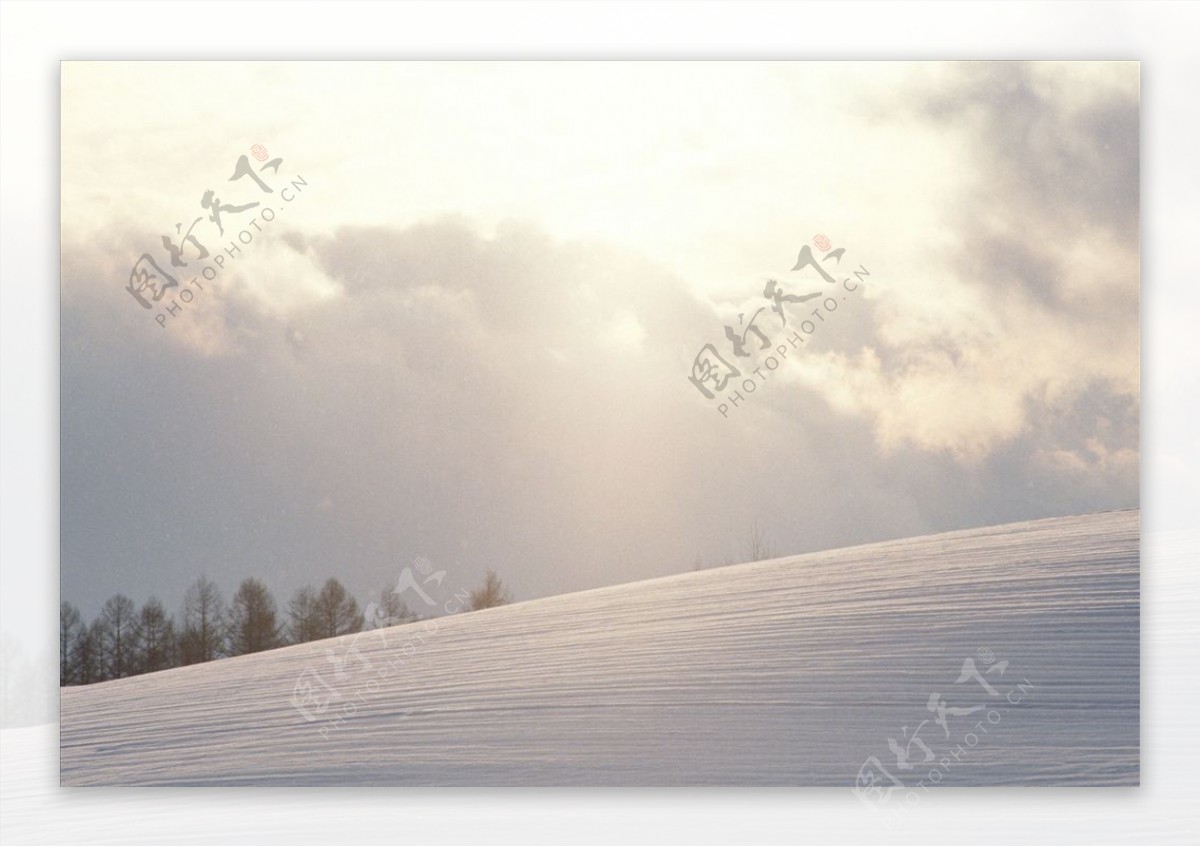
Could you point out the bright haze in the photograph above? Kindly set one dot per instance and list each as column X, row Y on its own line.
column 468, row 336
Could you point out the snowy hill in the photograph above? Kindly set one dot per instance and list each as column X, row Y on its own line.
column 795, row 671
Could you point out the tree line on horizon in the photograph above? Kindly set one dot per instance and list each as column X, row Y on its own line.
column 125, row 641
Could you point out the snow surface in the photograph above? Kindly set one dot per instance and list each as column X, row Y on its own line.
column 789, row 672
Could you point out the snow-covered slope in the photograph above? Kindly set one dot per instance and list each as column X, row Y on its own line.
column 795, row 671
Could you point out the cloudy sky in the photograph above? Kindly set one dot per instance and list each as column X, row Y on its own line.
column 468, row 334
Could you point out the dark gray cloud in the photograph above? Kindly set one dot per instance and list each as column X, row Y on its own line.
column 513, row 402
column 1033, row 318
column 1059, row 161
column 339, row 403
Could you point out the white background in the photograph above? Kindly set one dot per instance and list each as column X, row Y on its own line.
column 34, row 37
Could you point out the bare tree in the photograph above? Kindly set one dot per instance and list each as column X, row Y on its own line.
column 491, row 593
column 203, row 637
column 302, row 616
column 70, row 623
column 391, row 610
column 336, row 611
column 252, row 621
column 118, row 641
column 155, row 638
column 759, row 550
column 88, row 667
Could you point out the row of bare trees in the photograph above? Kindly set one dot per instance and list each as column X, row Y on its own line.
column 124, row 640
